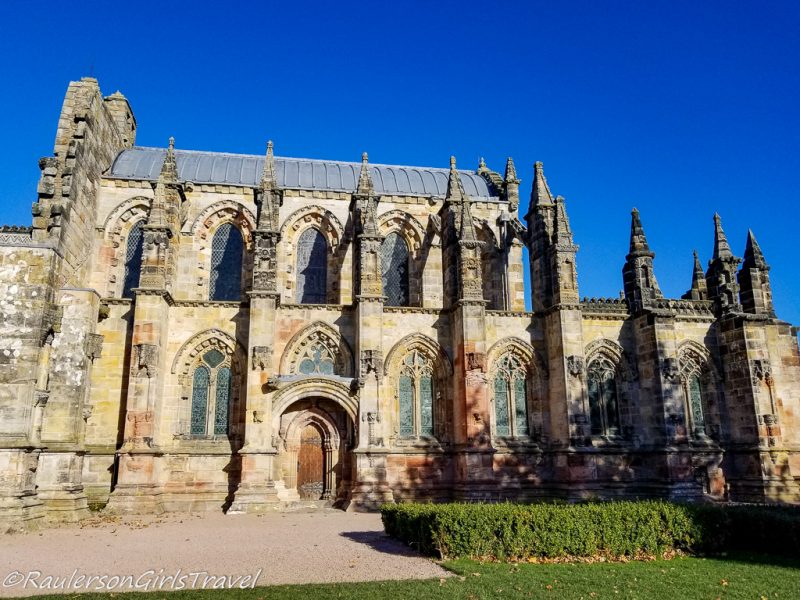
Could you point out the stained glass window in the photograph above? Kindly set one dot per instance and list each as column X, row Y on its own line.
column 696, row 403
column 510, row 397
column 312, row 267
column 200, row 387
column 415, row 395
column 223, row 396
column 394, row 267
column 211, row 383
column 226, row 264
column 133, row 260
column 603, row 398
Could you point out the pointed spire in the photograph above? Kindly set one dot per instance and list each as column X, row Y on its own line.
column 511, row 171
column 365, row 187
column 270, row 196
column 540, row 192
column 455, row 191
column 169, row 170
column 753, row 257
column 268, row 179
column 638, row 245
column 562, row 233
column 699, row 289
column 467, row 225
column 721, row 247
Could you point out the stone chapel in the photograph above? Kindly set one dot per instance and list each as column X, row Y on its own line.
column 185, row 330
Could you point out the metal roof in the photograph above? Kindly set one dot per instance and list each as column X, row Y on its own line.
column 293, row 173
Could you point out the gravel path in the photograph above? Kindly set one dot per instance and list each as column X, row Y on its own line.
column 281, row 548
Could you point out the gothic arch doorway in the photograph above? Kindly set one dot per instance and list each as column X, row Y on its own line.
column 314, row 460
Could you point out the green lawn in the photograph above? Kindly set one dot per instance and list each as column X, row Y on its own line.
column 677, row 579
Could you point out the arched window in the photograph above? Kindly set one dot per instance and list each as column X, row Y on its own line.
column 226, row 264
column 394, row 270
column 603, row 398
column 211, row 392
column 510, row 397
column 312, row 268
column 133, row 260
column 415, row 394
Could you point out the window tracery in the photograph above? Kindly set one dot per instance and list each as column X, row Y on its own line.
column 415, row 394
column 211, row 393
column 510, row 397
column 603, row 397
column 133, row 259
column 312, row 267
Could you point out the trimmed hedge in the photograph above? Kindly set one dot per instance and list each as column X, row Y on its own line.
column 612, row 529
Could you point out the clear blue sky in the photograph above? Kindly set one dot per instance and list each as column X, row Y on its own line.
column 678, row 108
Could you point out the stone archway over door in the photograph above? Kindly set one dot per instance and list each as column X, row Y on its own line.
column 314, row 460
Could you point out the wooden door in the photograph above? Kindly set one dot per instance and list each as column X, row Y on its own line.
column 310, row 464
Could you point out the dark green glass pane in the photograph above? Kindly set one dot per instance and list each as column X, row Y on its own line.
column 223, row 400
column 611, row 405
column 426, row 405
column 406, row 406
column 394, row 270
column 696, row 400
column 213, row 358
column 595, row 406
column 200, row 384
column 501, row 406
column 520, row 406
column 226, row 264
column 312, row 268
column 133, row 260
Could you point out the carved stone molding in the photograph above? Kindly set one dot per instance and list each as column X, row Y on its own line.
column 146, row 360
column 575, row 365
column 262, row 357
column 476, row 361
column 669, row 369
column 371, row 363
column 93, row 346
column 762, row 371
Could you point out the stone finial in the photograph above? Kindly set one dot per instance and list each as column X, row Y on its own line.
column 169, row 170
column 268, row 179
column 753, row 256
column 638, row 242
column 467, row 231
column 699, row 290
column 540, row 191
column 482, row 165
column 511, row 172
column 365, row 186
column 721, row 247
column 455, row 191
column 269, row 196
column 562, row 233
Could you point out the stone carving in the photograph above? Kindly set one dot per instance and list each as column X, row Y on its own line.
column 371, row 418
column 262, row 357
column 146, row 360
column 476, row 361
column 762, row 371
column 575, row 365
column 93, row 346
column 371, row 362
column 86, row 413
column 258, row 416
column 669, row 369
